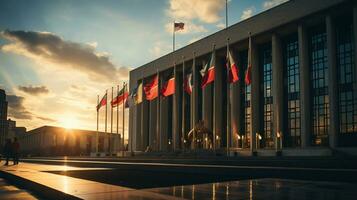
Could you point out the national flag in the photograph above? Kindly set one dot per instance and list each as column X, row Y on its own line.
column 131, row 100
column 232, row 67
column 102, row 102
column 139, row 94
column 151, row 89
column 179, row 26
column 208, row 75
column 120, row 98
column 188, row 83
column 248, row 72
column 168, row 88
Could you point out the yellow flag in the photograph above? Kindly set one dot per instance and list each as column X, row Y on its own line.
column 139, row 92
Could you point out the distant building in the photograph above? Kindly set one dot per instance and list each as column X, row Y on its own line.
column 3, row 117
column 14, row 131
column 58, row 141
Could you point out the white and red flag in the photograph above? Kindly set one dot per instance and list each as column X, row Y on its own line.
column 232, row 67
column 102, row 102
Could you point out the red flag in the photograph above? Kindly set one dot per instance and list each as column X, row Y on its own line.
column 179, row 26
column 102, row 102
column 232, row 67
column 151, row 89
column 122, row 96
column 188, row 83
column 248, row 76
column 169, row 87
column 208, row 74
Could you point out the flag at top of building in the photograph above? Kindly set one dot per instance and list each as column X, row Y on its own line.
column 232, row 67
column 179, row 26
column 151, row 89
column 168, row 88
column 102, row 102
column 248, row 76
column 208, row 72
column 120, row 98
column 188, row 83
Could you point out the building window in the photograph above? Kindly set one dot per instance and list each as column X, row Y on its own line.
column 319, row 79
column 292, row 90
column 266, row 62
column 347, row 98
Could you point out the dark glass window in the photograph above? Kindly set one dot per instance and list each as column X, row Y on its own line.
column 347, row 98
column 292, row 91
column 266, row 62
column 319, row 79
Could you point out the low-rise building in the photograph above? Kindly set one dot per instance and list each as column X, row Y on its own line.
column 58, row 141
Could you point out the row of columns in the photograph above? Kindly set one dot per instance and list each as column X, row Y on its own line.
column 212, row 102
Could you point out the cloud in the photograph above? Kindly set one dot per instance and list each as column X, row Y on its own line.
column 46, row 119
column 160, row 48
column 189, row 28
column 16, row 107
column 247, row 13
column 51, row 48
column 273, row 3
column 34, row 90
column 221, row 25
column 204, row 10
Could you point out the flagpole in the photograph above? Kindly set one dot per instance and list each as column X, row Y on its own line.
column 96, row 146
column 106, row 109
column 214, row 107
column 158, row 112
column 111, row 126
column 228, row 99
column 173, row 38
column 226, row 13
column 194, row 93
column 183, row 102
column 142, row 113
column 117, row 112
column 175, row 112
column 123, row 125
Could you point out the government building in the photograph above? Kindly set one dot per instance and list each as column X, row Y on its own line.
column 302, row 99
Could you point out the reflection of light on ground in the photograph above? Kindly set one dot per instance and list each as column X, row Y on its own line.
column 193, row 192
column 250, row 189
column 214, row 191
column 182, row 194
column 227, row 190
column 174, row 191
column 65, row 184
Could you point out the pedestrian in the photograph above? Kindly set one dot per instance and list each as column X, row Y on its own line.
column 15, row 151
column 7, row 150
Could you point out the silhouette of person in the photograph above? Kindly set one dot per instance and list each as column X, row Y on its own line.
column 15, row 151
column 7, row 150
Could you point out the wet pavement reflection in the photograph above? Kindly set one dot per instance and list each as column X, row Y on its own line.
column 263, row 189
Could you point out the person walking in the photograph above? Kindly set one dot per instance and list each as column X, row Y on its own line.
column 7, row 150
column 15, row 151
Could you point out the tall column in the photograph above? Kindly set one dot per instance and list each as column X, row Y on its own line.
column 153, row 124
column 220, row 130
column 332, row 88
column 236, row 109
column 145, row 123
column 207, row 107
column 255, row 98
column 305, row 89
column 138, row 139
column 278, row 85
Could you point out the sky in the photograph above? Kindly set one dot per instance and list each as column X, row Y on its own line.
column 57, row 56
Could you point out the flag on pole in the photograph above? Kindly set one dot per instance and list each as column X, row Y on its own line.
column 188, row 83
column 151, row 89
column 248, row 73
column 179, row 26
column 102, row 102
column 120, row 98
column 131, row 100
column 208, row 74
column 232, row 67
column 139, row 94
column 168, row 88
